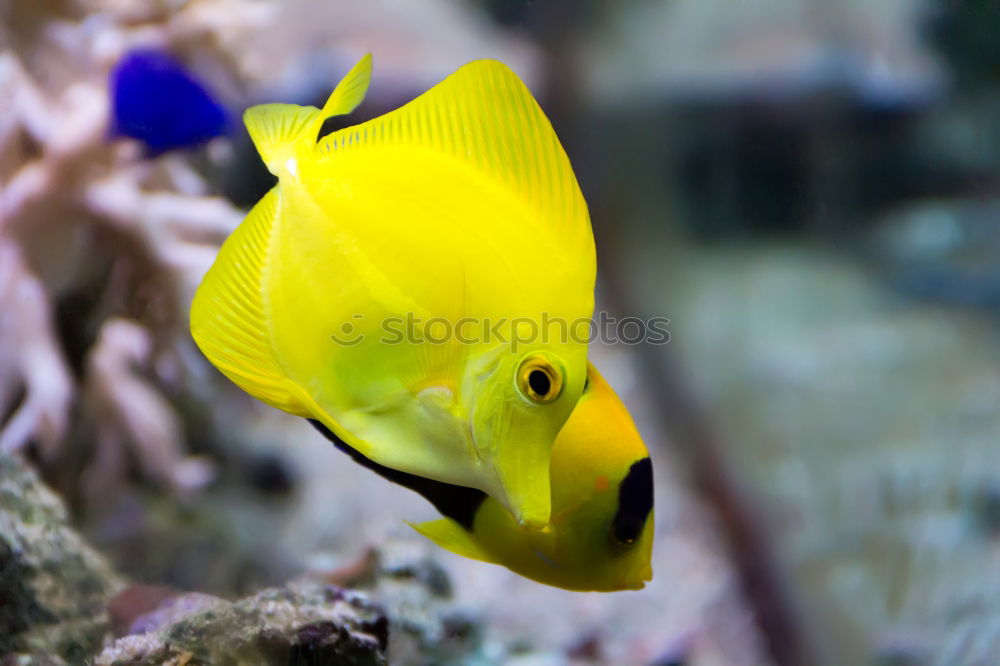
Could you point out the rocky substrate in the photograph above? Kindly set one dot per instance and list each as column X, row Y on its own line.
column 63, row 604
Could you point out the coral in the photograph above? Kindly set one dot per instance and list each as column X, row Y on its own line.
column 29, row 350
column 128, row 410
column 81, row 214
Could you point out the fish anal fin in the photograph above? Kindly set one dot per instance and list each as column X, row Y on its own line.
column 228, row 320
column 452, row 537
column 276, row 129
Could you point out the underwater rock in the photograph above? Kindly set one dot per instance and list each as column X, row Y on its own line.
column 425, row 624
column 56, row 592
column 404, row 615
column 62, row 603
column 54, row 588
column 304, row 622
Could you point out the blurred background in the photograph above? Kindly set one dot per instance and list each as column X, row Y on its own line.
column 809, row 191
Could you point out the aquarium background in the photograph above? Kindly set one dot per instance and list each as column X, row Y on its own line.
column 808, row 190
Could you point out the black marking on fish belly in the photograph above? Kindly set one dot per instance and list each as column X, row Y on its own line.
column 456, row 502
column 635, row 501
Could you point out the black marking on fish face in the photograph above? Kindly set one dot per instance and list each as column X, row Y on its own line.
column 453, row 501
column 635, row 501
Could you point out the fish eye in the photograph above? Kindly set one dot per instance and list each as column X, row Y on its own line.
column 539, row 380
column 635, row 501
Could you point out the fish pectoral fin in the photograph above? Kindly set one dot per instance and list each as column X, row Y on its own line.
column 276, row 128
column 452, row 537
column 525, row 484
column 228, row 320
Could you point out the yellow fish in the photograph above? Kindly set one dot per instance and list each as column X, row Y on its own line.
column 601, row 534
column 458, row 211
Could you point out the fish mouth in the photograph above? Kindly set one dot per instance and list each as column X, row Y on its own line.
column 644, row 576
column 639, row 582
column 625, row 583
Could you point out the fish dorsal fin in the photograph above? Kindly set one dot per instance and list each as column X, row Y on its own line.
column 484, row 116
column 449, row 535
column 276, row 129
column 348, row 94
column 227, row 315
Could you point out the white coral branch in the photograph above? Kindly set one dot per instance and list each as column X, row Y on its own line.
column 30, row 359
column 130, row 410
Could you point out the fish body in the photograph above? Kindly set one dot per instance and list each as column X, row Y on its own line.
column 600, row 536
column 156, row 100
column 459, row 210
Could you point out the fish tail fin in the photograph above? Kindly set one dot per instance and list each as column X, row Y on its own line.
column 276, row 129
column 227, row 315
column 453, row 537
column 348, row 94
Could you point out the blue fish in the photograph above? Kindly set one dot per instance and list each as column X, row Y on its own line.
column 156, row 100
